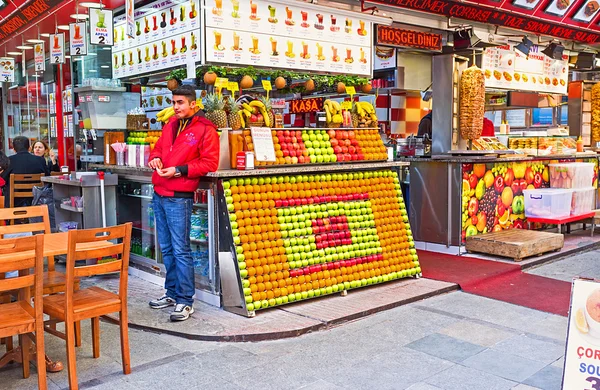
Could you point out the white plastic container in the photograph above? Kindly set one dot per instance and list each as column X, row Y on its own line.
column 583, row 200
column 548, row 203
column 571, row 175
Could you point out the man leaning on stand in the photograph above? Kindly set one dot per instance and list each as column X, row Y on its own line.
column 187, row 150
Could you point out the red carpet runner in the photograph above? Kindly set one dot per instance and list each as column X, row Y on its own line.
column 500, row 281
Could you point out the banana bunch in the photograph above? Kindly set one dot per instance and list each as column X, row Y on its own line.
column 254, row 111
column 333, row 111
column 363, row 115
column 165, row 114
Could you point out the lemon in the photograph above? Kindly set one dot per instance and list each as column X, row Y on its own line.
column 466, row 187
column 580, row 321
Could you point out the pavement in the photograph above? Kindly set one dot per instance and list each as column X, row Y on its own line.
column 450, row 341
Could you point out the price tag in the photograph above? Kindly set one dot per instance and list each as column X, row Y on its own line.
column 263, row 143
column 233, row 87
column 346, row 105
column 267, row 86
column 222, row 82
column 350, row 91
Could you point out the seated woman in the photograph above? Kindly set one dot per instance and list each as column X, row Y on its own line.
column 40, row 148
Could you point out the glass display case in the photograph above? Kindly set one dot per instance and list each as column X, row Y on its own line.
column 135, row 205
column 543, row 145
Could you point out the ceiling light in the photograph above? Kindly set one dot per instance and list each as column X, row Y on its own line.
column 35, row 40
column 89, row 4
column 524, row 47
column 105, row 66
column 63, row 27
column 68, row 57
column 80, row 16
column 92, row 71
column 14, row 53
column 107, row 48
column 46, row 35
column 554, row 50
column 25, row 47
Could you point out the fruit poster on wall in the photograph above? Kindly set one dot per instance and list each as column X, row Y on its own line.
column 506, row 68
column 492, row 194
column 298, row 37
column 299, row 237
column 167, row 34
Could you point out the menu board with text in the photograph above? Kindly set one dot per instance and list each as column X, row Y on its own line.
column 299, row 36
column 167, row 34
column 508, row 69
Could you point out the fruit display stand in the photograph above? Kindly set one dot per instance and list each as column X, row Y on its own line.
column 474, row 195
column 287, row 235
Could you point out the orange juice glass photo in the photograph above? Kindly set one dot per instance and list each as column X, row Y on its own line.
column 253, row 9
column 255, row 43
column 319, row 50
column 77, row 36
column 304, row 49
column 236, row 41
column 56, row 42
column 273, row 45
column 217, row 38
column 348, row 53
column 290, row 46
column 288, row 12
column 218, row 4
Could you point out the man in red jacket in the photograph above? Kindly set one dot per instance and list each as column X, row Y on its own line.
column 187, row 150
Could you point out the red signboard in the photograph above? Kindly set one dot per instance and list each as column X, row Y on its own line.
column 24, row 15
column 302, row 106
column 498, row 17
column 398, row 37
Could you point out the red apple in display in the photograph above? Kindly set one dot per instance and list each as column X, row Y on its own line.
column 509, row 177
column 473, row 181
column 529, row 176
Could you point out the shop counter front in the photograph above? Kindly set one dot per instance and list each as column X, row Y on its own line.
column 452, row 197
column 217, row 281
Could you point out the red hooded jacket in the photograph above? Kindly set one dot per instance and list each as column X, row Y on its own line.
column 196, row 147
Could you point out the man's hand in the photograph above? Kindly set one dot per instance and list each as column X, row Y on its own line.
column 156, row 163
column 167, row 172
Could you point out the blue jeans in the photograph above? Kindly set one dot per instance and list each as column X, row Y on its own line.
column 173, row 225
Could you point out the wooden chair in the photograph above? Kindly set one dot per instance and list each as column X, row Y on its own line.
column 21, row 186
column 93, row 302
column 20, row 317
column 56, row 174
column 54, row 281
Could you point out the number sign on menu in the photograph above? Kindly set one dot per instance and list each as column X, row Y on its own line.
column 57, row 48
column 7, row 71
column 77, row 39
column 101, row 23
column 298, row 36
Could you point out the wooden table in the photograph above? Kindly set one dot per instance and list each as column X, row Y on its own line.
column 55, row 244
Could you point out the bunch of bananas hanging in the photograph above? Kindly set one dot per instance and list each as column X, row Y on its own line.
column 255, row 111
column 363, row 115
column 333, row 111
column 165, row 114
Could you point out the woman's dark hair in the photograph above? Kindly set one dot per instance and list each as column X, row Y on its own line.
column 187, row 91
column 4, row 162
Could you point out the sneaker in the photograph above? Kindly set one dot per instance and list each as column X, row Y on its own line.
column 182, row 312
column 162, row 302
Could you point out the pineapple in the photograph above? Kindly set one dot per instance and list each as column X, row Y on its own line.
column 269, row 110
column 232, row 114
column 214, row 110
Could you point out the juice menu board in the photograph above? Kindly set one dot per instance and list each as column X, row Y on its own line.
column 304, row 37
column 167, row 34
column 507, row 69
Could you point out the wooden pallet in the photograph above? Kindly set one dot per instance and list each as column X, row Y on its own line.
column 515, row 243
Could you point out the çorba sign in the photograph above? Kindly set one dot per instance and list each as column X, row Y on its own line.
column 494, row 16
column 392, row 36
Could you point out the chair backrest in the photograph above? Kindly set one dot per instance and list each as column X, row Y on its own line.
column 11, row 214
column 56, row 174
column 21, row 186
column 22, row 254
column 117, row 249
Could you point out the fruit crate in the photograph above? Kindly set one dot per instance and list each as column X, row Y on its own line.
column 548, row 203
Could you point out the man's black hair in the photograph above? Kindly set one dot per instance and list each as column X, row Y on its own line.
column 4, row 162
column 186, row 90
column 21, row 144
